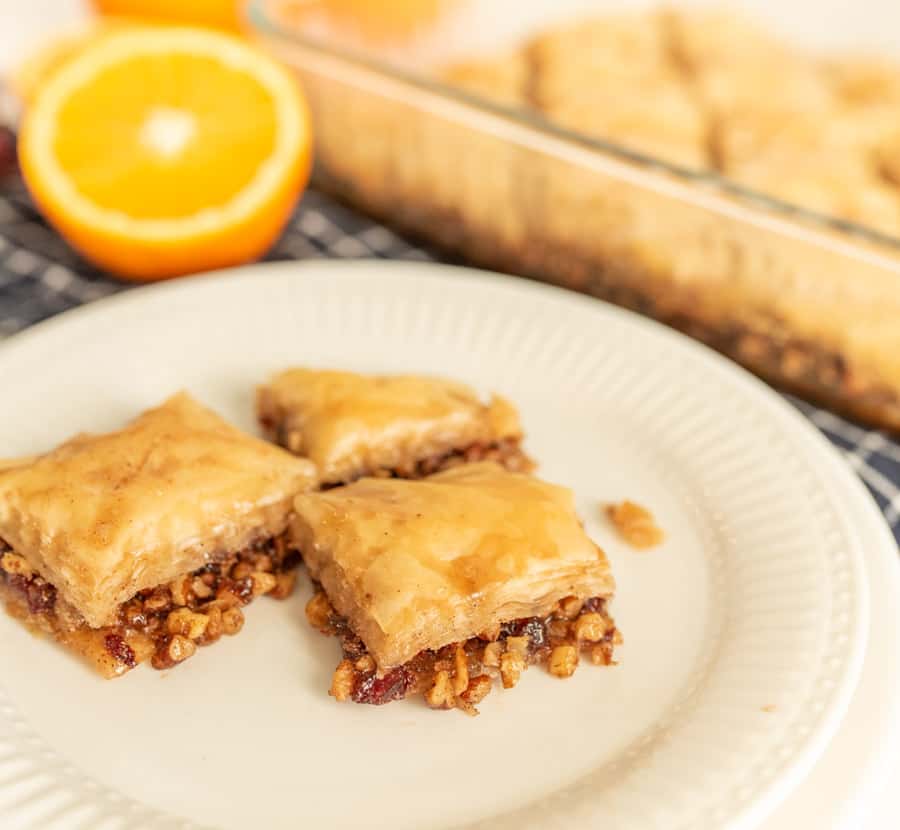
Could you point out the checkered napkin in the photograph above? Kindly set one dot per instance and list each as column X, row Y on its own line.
column 40, row 276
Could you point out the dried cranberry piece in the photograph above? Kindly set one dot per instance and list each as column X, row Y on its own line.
column 41, row 596
column 118, row 648
column 378, row 690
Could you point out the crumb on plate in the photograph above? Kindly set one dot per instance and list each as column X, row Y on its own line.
column 635, row 524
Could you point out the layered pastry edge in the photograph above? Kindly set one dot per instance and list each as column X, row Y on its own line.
column 450, row 643
column 403, row 426
column 145, row 542
column 164, row 624
column 460, row 675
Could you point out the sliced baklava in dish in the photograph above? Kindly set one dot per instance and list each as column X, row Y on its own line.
column 436, row 585
column 146, row 542
column 407, row 426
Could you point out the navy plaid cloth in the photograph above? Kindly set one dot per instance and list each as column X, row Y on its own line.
column 41, row 276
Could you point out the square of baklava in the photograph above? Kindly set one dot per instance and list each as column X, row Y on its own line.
column 502, row 79
column 352, row 425
column 146, row 542
column 435, row 585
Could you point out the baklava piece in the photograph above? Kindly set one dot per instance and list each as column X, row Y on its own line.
column 145, row 543
column 501, row 79
column 402, row 426
column 436, row 586
column 614, row 78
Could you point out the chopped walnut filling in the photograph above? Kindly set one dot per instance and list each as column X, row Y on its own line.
column 165, row 624
column 636, row 524
column 460, row 675
column 507, row 452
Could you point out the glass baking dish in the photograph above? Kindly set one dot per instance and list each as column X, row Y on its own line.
column 809, row 302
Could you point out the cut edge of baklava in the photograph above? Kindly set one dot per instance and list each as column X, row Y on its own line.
column 435, row 587
column 165, row 624
column 507, row 452
column 498, row 438
column 460, row 675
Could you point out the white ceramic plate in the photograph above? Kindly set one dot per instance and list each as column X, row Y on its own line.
column 846, row 790
column 744, row 633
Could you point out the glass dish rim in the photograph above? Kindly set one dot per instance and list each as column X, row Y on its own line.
column 257, row 15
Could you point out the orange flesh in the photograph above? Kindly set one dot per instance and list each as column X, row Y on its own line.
column 225, row 14
column 113, row 167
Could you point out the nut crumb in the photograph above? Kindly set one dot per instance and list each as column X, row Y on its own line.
column 560, row 629
column 440, row 695
column 517, row 645
column 319, row 612
column 241, row 570
column 263, row 582
column 159, row 600
column 602, row 654
column 177, row 650
column 365, row 664
column 284, row 585
column 635, row 524
column 201, row 589
column 570, row 607
column 12, row 563
column 214, row 626
column 563, row 661
column 474, row 693
column 511, row 667
column 232, row 621
column 590, row 627
column 180, row 590
column 492, row 652
column 460, row 670
column 187, row 623
column 342, row 681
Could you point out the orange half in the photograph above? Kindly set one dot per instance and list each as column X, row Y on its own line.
column 163, row 151
column 224, row 14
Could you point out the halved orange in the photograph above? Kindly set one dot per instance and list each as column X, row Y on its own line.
column 224, row 14
column 162, row 151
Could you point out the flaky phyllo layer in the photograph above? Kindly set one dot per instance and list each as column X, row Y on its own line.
column 411, row 568
column 111, row 540
column 406, row 426
column 105, row 516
